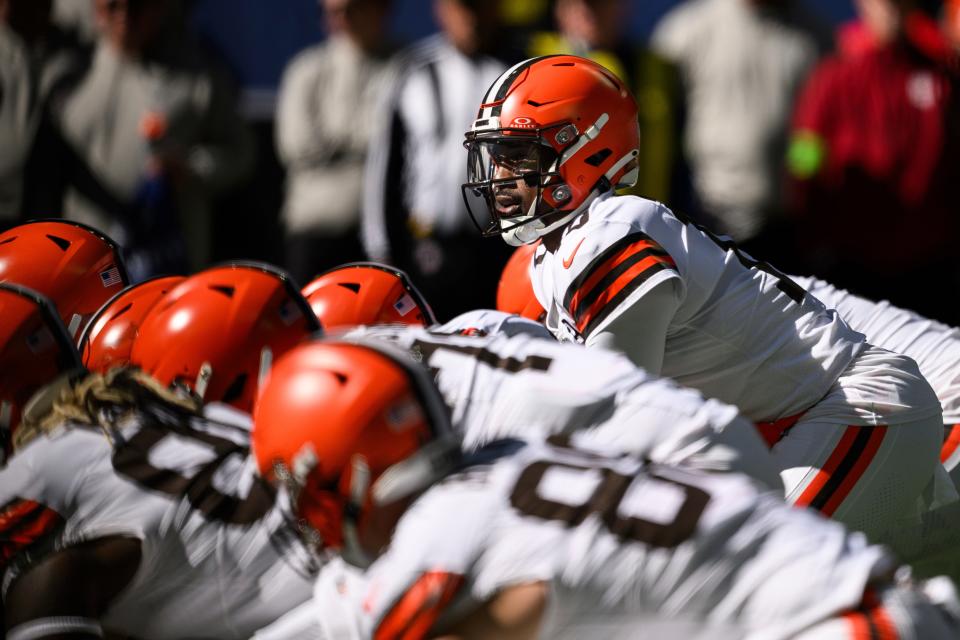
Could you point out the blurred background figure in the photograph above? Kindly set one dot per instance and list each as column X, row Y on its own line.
column 741, row 64
column 151, row 133
column 76, row 19
column 596, row 29
column 24, row 25
column 325, row 115
column 413, row 213
column 951, row 22
column 875, row 163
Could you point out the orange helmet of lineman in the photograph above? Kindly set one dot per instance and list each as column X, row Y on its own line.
column 108, row 337
column 217, row 332
column 365, row 293
column 75, row 266
column 349, row 428
column 515, row 292
column 551, row 135
column 34, row 349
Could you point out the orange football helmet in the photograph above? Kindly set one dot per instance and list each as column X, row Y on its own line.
column 348, row 428
column 108, row 338
column 515, row 292
column 562, row 124
column 34, row 349
column 364, row 293
column 217, row 332
column 75, row 266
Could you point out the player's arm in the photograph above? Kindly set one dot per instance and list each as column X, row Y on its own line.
column 640, row 330
column 515, row 613
column 65, row 594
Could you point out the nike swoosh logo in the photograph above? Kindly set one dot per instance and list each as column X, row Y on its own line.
column 569, row 261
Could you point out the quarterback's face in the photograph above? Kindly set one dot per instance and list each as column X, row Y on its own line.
column 522, row 161
column 512, row 198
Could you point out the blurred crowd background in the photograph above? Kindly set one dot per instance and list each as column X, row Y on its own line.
column 823, row 136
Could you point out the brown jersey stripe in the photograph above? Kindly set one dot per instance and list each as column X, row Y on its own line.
column 619, row 291
column 581, row 304
column 587, row 278
column 607, row 268
column 843, row 469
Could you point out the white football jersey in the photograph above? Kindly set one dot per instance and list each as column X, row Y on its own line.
column 484, row 322
column 499, row 386
column 935, row 346
column 219, row 556
column 622, row 546
column 743, row 332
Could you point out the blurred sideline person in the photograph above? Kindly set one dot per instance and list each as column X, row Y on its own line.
column 413, row 216
column 325, row 115
column 855, row 430
column 875, row 154
column 532, row 539
column 741, row 65
column 23, row 27
column 151, row 134
column 595, row 29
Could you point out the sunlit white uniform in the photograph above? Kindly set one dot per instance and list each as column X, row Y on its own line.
column 499, row 386
column 934, row 346
column 627, row 550
column 747, row 335
column 219, row 557
column 483, row 322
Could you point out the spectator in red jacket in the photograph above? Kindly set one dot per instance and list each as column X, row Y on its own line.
column 875, row 164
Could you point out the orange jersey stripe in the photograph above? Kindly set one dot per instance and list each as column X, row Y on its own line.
column 883, row 625
column 638, row 271
column 859, row 626
column 820, row 480
column 14, row 513
column 587, row 283
column 22, row 524
column 418, row 609
column 863, row 461
column 951, row 443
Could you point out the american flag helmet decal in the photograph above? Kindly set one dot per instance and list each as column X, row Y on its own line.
column 110, row 276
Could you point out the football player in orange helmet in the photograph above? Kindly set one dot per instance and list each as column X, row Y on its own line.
column 108, row 337
column 515, row 292
column 351, row 430
column 567, row 127
column 554, row 138
column 77, row 267
column 217, row 332
column 34, row 350
column 364, row 293
column 356, row 433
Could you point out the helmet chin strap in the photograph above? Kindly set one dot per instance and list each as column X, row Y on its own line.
column 527, row 229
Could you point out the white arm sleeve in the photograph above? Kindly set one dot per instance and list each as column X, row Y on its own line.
column 640, row 331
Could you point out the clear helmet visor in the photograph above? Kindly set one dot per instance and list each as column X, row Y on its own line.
column 506, row 177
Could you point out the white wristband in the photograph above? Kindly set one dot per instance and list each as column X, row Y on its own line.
column 43, row 627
